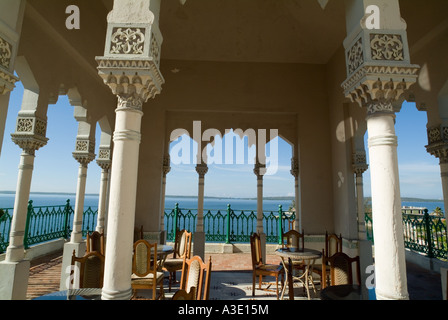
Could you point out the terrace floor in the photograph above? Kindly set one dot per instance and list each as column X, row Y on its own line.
column 231, row 279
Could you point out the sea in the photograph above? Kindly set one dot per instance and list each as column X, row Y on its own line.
column 210, row 203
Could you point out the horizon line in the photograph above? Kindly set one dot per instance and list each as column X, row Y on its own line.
column 216, row 197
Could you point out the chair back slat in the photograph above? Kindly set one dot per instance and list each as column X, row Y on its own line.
column 196, row 277
column 293, row 239
column 91, row 269
column 145, row 258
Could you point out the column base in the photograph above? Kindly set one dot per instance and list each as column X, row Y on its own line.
column 199, row 244
column 14, row 280
column 116, row 295
column 80, row 249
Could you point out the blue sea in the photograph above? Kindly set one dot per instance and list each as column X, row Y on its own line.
column 49, row 199
column 7, row 201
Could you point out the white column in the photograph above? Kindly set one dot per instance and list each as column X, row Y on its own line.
column 123, row 190
column 15, row 251
column 444, row 176
column 390, row 263
column 359, row 167
column 131, row 36
column 199, row 235
column 76, row 236
column 295, row 172
column 259, row 171
column 364, row 246
column 166, row 169
column 102, row 204
column 29, row 136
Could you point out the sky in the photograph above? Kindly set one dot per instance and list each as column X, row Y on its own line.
column 55, row 169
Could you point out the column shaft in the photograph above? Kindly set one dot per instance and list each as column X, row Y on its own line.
column 260, row 204
column 360, row 204
column 121, row 216
column 444, row 176
column 200, row 222
column 390, row 264
column 102, row 200
column 76, row 236
column 15, row 251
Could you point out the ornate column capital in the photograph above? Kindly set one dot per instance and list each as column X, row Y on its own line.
column 359, row 162
column 130, row 65
column 202, row 169
column 84, row 150
column 30, row 133
column 295, row 167
column 7, row 78
column 166, row 165
column 259, row 170
column 104, row 159
column 378, row 69
column 438, row 142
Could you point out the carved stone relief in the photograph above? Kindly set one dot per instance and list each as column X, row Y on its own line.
column 127, row 41
column 387, row 47
column 5, row 53
column 355, row 56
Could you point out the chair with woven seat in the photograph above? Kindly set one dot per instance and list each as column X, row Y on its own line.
column 182, row 250
column 333, row 245
column 195, row 278
column 95, row 242
column 91, row 270
column 144, row 269
column 341, row 269
column 260, row 269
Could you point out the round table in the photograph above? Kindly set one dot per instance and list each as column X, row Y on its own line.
column 162, row 252
column 308, row 256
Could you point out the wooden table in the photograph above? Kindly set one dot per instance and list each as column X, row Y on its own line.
column 162, row 252
column 308, row 256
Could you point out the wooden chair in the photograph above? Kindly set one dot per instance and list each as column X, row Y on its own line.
column 91, row 270
column 144, row 268
column 333, row 245
column 182, row 250
column 184, row 295
column 259, row 268
column 95, row 242
column 294, row 240
column 195, row 279
column 341, row 269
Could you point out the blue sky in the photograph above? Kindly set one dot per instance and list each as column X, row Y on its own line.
column 55, row 169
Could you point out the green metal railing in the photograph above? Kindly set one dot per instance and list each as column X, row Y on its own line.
column 423, row 233
column 229, row 226
column 46, row 223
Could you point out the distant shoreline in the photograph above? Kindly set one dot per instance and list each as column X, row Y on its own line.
column 406, row 199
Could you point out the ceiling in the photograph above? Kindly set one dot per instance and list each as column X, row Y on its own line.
column 279, row 31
